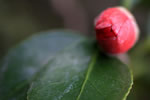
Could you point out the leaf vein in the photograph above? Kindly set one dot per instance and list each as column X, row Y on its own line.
column 91, row 65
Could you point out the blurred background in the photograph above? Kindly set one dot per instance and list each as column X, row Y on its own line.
column 20, row 19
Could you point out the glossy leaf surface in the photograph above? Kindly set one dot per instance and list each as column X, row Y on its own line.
column 62, row 66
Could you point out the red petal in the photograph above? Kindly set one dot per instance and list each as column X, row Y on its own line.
column 116, row 30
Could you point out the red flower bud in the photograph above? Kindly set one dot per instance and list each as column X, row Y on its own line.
column 116, row 30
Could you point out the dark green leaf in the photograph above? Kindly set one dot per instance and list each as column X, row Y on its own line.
column 81, row 73
column 62, row 66
column 26, row 59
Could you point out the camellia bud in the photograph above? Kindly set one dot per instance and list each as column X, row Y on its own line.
column 116, row 30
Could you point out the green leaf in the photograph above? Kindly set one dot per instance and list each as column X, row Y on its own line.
column 26, row 59
column 62, row 66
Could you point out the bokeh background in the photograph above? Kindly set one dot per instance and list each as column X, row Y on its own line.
column 20, row 19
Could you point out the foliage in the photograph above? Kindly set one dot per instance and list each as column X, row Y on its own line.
column 61, row 65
